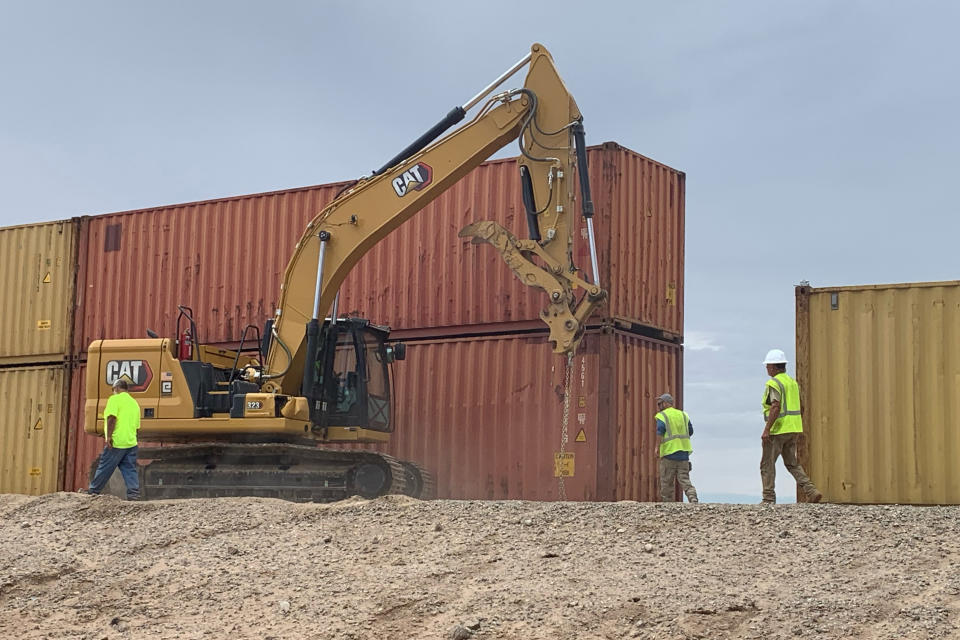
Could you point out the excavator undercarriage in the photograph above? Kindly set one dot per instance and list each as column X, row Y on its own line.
column 301, row 473
column 294, row 472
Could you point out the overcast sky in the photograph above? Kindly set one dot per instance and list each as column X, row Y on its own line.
column 818, row 138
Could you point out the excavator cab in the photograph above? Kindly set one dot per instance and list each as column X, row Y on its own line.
column 349, row 382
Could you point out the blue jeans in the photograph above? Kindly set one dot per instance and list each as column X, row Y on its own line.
column 110, row 459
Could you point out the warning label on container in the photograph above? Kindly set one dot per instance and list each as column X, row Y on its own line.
column 563, row 465
column 39, row 424
column 35, row 471
column 581, row 436
column 43, row 324
column 46, row 278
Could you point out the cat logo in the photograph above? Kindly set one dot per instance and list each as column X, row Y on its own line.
column 137, row 373
column 416, row 177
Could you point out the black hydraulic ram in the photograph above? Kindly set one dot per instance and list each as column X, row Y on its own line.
column 456, row 115
column 309, row 386
column 526, row 187
column 578, row 136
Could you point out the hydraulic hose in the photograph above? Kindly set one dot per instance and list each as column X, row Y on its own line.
column 286, row 350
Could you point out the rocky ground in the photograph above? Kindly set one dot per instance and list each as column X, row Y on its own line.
column 75, row 566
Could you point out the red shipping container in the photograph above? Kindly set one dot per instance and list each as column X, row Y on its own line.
column 225, row 258
column 484, row 415
column 82, row 448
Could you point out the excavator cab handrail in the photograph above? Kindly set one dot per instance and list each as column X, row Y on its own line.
column 240, row 350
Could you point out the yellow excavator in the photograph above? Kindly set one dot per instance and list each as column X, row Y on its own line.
column 249, row 422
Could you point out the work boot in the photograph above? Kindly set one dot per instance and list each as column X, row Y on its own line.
column 817, row 497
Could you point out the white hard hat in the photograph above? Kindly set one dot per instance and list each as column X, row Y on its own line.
column 775, row 356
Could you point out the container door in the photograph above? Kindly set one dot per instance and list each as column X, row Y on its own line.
column 30, row 429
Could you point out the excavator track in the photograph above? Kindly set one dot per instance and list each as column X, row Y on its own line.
column 419, row 482
column 275, row 470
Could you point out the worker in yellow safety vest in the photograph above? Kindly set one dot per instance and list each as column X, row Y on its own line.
column 122, row 416
column 782, row 428
column 674, row 428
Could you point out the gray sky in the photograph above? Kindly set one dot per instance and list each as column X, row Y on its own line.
column 816, row 136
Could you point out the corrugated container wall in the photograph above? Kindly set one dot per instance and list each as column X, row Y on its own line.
column 38, row 267
column 645, row 369
column 225, row 258
column 491, row 431
column 33, row 402
column 82, row 448
column 423, row 275
column 879, row 369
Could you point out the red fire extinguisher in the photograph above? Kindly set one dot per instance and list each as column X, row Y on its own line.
column 185, row 350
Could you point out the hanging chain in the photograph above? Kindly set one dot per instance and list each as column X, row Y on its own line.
column 567, row 374
column 583, row 375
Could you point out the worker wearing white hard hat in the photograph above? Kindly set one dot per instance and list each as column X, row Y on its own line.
column 775, row 356
column 782, row 428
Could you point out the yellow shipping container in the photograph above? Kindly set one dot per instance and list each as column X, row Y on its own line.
column 37, row 281
column 33, row 403
column 879, row 372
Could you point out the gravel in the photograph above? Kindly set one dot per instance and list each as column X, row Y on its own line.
column 84, row 567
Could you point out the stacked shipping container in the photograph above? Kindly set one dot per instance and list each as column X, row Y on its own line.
column 37, row 279
column 37, row 292
column 225, row 258
column 32, row 432
column 492, row 429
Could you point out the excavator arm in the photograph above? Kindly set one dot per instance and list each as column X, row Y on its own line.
column 545, row 118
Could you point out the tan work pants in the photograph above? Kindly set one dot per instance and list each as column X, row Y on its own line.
column 672, row 471
column 782, row 444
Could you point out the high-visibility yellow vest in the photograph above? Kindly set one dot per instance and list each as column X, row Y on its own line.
column 789, row 420
column 677, row 436
column 125, row 409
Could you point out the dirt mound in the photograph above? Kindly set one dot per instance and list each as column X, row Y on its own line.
column 75, row 566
